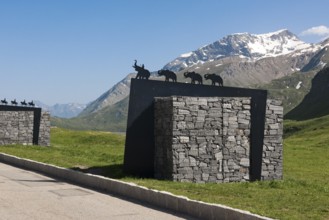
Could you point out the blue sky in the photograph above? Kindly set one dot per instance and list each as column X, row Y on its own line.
column 62, row 51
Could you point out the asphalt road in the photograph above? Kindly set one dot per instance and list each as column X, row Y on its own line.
column 29, row 195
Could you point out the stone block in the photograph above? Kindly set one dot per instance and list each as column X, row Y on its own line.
column 184, row 139
column 183, row 112
column 245, row 162
column 212, row 139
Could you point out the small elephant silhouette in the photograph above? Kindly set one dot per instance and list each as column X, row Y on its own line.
column 195, row 77
column 214, row 79
column 142, row 73
column 168, row 75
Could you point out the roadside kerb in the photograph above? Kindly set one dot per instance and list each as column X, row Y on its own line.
column 161, row 199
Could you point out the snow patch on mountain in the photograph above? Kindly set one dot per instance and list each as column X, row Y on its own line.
column 186, row 54
column 252, row 47
column 275, row 44
column 299, row 85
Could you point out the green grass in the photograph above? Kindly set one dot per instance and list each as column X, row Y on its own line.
column 87, row 151
column 303, row 194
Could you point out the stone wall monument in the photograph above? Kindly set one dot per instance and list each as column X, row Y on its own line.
column 139, row 158
column 207, row 139
column 24, row 125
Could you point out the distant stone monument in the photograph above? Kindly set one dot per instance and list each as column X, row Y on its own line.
column 24, row 125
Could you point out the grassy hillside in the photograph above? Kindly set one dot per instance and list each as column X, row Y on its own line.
column 303, row 194
column 285, row 88
column 315, row 104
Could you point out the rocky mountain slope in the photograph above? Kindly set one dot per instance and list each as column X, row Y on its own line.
column 114, row 95
column 254, row 59
column 243, row 60
column 315, row 104
column 251, row 47
column 117, row 93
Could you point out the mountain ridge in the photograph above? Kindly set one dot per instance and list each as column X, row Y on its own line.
column 250, row 46
column 68, row 110
column 315, row 103
column 115, row 94
column 235, row 70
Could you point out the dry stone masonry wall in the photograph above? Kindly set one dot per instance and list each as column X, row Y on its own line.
column 16, row 127
column 44, row 130
column 207, row 139
column 273, row 148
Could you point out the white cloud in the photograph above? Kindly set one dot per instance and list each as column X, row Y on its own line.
column 318, row 31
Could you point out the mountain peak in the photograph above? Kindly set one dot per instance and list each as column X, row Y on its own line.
column 245, row 45
column 325, row 42
column 280, row 32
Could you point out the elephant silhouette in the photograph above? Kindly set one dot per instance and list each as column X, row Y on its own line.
column 214, row 79
column 142, row 73
column 168, row 75
column 195, row 77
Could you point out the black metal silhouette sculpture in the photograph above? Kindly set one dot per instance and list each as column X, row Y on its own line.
column 168, row 74
column 142, row 73
column 4, row 101
column 24, row 103
column 14, row 102
column 214, row 79
column 195, row 77
column 31, row 103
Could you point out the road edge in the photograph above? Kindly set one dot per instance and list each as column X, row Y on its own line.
column 161, row 199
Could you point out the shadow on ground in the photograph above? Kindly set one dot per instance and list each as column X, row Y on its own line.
column 114, row 171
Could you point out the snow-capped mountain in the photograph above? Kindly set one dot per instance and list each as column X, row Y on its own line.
column 242, row 60
column 252, row 47
column 235, row 47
